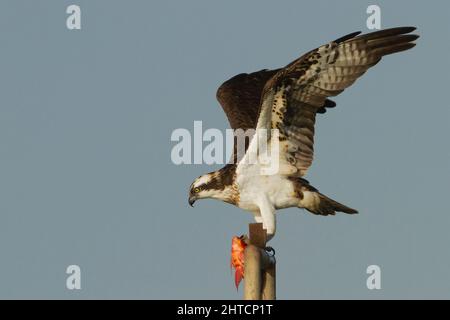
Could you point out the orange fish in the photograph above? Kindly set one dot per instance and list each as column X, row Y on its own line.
column 238, row 246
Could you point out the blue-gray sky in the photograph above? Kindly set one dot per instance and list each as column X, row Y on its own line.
column 86, row 176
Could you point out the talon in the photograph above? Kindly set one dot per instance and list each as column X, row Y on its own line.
column 270, row 251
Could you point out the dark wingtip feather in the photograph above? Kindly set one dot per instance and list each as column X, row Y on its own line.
column 409, row 29
column 347, row 37
column 394, row 48
column 377, row 34
column 329, row 103
column 391, row 40
column 387, row 33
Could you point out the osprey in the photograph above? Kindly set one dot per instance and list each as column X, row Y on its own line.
column 288, row 99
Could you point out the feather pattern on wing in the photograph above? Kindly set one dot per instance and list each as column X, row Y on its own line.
column 300, row 90
column 240, row 98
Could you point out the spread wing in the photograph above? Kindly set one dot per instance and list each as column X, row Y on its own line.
column 294, row 95
column 240, row 98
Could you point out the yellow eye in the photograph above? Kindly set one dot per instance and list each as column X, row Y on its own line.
column 197, row 190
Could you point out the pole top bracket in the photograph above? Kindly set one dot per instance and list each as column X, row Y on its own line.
column 257, row 235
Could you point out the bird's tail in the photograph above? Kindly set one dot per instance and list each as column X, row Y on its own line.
column 322, row 205
column 330, row 206
column 315, row 202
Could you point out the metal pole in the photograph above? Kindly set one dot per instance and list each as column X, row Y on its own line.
column 269, row 283
column 252, row 273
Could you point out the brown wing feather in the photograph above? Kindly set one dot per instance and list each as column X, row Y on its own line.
column 300, row 90
column 240, row 97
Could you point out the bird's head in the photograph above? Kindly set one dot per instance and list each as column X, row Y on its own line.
column 202, row 188
column 217, row 185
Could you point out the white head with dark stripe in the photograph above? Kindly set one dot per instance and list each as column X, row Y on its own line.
column 216, row 185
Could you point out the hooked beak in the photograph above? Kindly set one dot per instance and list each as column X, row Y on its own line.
column 192, row 200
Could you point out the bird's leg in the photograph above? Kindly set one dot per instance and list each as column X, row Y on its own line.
column 270, row 251
column 258, row 219
column 267, row 215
